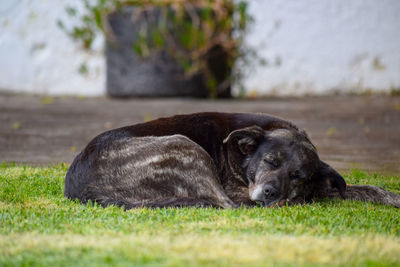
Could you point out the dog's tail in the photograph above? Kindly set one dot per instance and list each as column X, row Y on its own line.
column 369, row 193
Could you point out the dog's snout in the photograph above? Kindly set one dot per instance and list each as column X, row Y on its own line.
column 270, row 191
column 265, row 194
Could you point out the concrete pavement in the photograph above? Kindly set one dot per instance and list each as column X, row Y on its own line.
column 349, row 131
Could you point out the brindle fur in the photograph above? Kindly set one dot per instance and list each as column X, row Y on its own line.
column 149, row 171
column 226, row 163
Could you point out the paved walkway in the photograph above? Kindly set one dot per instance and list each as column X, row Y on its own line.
column 349, row 131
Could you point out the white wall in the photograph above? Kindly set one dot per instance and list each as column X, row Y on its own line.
column 312, row 46
column 318, row 46
column 37, row 57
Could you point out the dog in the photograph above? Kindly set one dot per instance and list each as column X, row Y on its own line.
column 208, row 159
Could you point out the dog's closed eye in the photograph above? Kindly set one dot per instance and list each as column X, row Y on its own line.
column 272, row 161
column 294, row 175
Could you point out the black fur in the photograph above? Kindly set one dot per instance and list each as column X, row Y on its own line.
column 204, row 159
column 165, row 171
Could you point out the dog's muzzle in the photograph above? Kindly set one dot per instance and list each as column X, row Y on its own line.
column 265, row 195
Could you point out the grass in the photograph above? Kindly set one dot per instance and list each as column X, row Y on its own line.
column 38, row 226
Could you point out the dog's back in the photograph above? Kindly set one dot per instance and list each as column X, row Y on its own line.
column 146, row 171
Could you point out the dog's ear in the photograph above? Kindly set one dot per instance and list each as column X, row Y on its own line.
column 238, row 146
column 245, row 140
column 326, row 173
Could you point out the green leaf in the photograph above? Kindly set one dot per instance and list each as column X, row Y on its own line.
column 158, row 39
column 98, row 18
column 71, row 11
column 243, row 17
column 83, row 69
column 60, row 24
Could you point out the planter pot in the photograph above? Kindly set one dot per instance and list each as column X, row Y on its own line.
column 130, row 75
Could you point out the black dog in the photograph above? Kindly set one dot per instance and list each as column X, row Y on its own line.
column 224, row 160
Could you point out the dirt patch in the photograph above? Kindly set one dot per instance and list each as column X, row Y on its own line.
column 349, row 131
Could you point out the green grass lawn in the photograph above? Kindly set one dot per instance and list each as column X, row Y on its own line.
column 38, row 226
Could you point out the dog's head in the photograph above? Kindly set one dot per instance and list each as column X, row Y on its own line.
column 280, row 165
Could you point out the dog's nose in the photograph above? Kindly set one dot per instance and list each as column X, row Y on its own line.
column 269, row 191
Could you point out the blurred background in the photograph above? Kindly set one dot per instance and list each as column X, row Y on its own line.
column 72, row 69
column 308, row 46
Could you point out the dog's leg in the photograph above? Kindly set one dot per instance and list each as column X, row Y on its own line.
column 174, row 202
column 104, row 197
column 370, row 193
